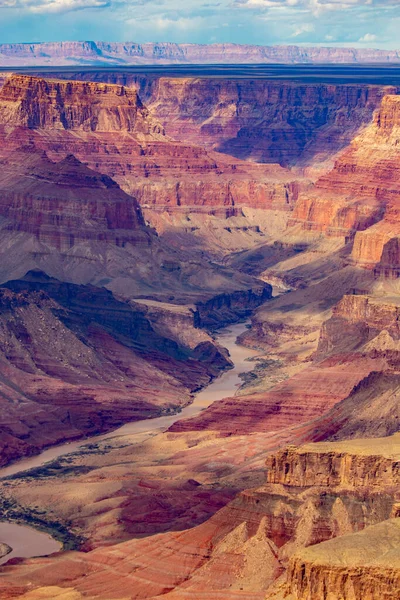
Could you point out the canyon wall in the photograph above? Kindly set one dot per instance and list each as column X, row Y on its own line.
column 118, row 136
column 67, row 53
column 359, row 198
column 77, row 361
column 39, row 103
column 265, row 121
column 254, row 119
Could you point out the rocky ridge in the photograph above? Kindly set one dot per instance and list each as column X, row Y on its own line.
column 67, row 53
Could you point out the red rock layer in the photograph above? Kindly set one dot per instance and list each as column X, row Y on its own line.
column 268, row 121
column 65, row 203
column 39, row 103
column 149, row 53
column 361, row 195
column 294, row 401
column 107, row 128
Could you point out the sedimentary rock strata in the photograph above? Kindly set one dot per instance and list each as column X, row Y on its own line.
column 67, row 53
column 193, row 511
column 360, row 195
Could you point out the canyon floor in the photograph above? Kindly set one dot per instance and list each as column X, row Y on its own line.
column 146, row 222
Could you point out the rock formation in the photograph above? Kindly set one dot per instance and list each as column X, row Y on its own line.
column 359, row 197
column 313, row 493
column 101, row 53
column 263, row 120
column 112, row 328
column 106, row 127
column 79, row 361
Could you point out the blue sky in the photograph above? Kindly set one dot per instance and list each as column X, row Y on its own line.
column 359, row 23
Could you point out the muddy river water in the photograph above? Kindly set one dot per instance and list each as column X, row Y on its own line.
column 28, row 542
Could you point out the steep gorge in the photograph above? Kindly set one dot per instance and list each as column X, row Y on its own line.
column 149, row 507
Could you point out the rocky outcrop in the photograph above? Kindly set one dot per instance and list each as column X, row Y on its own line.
column 64, row 204
column 47, row 103
column 345, row 464
column 353, row 567
column 227, row 308
column 360, row 323
column 67, row 53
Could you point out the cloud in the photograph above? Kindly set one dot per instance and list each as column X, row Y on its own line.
column 302, row 29
column 314, row 5
column 53, row 6
column 368, row 37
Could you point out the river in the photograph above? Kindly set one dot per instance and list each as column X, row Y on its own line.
column 28, row 542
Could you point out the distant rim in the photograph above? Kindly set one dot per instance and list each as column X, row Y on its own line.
column 371, row 73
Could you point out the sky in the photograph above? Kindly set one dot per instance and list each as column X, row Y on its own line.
column 356, row 23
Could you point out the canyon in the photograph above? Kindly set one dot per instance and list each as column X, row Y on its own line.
column 139, row 215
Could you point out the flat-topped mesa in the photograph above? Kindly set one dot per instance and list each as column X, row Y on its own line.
column 65, row 203
column 354, row 463
column 120, row 53
column 39, row 103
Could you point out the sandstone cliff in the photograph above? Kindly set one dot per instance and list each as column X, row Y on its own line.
column 353, row 567
column 262, row 120
column 40, row 103
column 107, row 127
column 360, row 196
column 266, row 121
column 361, row 323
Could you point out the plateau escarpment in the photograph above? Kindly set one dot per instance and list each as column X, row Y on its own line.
column 117, row 53
column 56, row 104
column 264, row 121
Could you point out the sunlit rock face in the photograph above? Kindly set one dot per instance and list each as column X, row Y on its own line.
column 360, row 196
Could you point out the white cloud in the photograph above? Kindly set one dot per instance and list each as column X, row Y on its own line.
column 315, row 5
column 303, row 28
column 367, row 38
column 53, row 6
